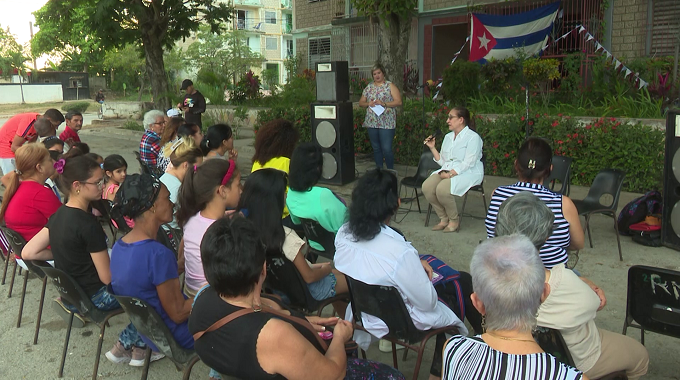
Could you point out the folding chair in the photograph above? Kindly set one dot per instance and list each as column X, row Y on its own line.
column 148, row 323
column 478, row 188
column 103, row 206
column 560, row 173
column 17, row 243
column 144, row 167
column 426, row 165
column 552, row 342
column 73, row 294
column 318, row 234
column 606, row 182
column 283, row 276
column 385, row 302
column 652, row 301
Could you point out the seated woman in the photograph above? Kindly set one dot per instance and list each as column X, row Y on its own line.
column 305, row 200
column 263, row 197
column 370, row 251
column 184, row 155
column 207, row 192
column 507, row 276
column 144, row 268
column 192, row 131
column 462, row 168
column 218, row 141
column 274, row 144
column 78, row 247
column 572, row 302
column 263, row 341
column 27, row 203
column 533, row 166
column 167, row 138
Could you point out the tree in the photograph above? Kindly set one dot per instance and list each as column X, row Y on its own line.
column 12, row 55
column 394, row 19
column 128, row 66
column 226, row 55
column 158, row 24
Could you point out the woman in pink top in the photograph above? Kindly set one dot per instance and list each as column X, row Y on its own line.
column 205, row 195
column 27, row 204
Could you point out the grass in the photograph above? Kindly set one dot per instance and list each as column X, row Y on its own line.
column 133, row 126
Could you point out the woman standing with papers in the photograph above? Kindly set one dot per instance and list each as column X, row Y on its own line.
column 381, row 97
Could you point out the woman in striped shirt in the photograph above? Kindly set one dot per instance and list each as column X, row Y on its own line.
column 533, row 166
column 508, row 279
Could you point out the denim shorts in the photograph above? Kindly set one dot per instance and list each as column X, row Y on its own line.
column 324, row 288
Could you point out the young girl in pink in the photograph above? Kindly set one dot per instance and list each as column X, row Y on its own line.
column 115, row 170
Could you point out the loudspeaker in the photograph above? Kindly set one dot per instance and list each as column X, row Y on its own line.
column 332, row 81
column 670, row 222
column 332, row 130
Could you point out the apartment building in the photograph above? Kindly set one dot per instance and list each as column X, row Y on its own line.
column 332, row 30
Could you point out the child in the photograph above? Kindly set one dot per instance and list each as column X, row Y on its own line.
column 98, row 158
column 115, row 171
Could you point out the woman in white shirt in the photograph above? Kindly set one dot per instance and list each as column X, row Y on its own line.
column 461, row 168
column 370, row 251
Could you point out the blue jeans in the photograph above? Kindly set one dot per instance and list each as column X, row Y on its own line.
column 381, row 142
column 103, row 300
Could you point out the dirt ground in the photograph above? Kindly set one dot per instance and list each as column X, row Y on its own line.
column 20, row 359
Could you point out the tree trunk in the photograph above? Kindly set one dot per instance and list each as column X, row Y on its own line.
column 142, row 76
column 394, row 36
column 153, row 52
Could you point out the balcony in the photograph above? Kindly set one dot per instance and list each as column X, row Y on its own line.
column 287, row 4
column 341, row 9
column 249, row 25
column 248, row 3
column 287, row 28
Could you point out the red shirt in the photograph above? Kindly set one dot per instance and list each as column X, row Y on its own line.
column 30, row 208
column 17, row 125
column 69, row 134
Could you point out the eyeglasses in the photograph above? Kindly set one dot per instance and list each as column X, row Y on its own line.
column 99, row 183
column 160, row 123
column 452, row 117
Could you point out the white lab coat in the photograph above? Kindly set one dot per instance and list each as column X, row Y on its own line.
column 464, row 155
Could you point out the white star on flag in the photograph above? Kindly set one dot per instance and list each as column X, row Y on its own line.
column 483, row 41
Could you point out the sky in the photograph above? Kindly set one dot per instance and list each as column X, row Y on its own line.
column 17, row 15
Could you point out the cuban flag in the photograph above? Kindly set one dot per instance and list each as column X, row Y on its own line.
column 497, row 36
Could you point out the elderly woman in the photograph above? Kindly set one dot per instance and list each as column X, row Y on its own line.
column 533, row 166
column 260, row 339
column 572, row 302
column 461, row 168
column 150, row 146
column 370, row 251
column 142, row 267
column 381, row 98
column 507, row 276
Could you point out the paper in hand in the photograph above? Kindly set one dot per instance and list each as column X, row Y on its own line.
column 378, row 109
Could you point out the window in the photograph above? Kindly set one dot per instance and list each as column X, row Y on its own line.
column 289, row 48
column 270, row 17
column 665, row 28
column 271, row 43
column 319, row 51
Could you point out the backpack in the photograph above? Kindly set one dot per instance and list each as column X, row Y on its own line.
column 646, row 234
column 634, row 212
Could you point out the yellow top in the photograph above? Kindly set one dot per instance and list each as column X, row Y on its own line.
column 279, row 163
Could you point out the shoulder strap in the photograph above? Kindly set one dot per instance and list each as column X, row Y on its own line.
column 223, row 322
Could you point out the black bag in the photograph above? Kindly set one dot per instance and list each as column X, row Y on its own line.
column 636, row 211
column 647, row 238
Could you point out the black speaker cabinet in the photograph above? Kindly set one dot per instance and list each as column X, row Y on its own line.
column 332, row 131
column 332, row 81
column 670, row 226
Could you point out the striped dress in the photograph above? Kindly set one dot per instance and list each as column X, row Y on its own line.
column 471, row 358
column 554, row 251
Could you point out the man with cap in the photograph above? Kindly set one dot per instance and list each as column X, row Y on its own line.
column 193, row 104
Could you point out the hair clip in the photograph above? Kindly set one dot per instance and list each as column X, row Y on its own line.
column 59, row 165
column 532, row 164
column 101, row 165
column 195, row 168
column 18, row 172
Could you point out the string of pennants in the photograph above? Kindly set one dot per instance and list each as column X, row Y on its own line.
column 619, row 67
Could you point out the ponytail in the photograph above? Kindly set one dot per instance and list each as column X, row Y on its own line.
column 10, row 190
column 28, row 156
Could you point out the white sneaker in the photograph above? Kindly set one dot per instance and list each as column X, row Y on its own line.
column 138, row 356
column 386, row 346
column 118, row 354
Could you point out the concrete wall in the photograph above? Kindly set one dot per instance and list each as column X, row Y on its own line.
column 123, row 110
column 33, row 93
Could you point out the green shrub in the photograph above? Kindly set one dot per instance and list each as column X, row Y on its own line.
column 75, row 107
column 133, row 126
column 460, row 81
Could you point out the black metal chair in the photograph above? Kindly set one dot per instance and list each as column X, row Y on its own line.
column 148, row 323
column 315, row 232
column 283, row 276
column 17, row 243
column 426, row 165
column 5, row 254
column 71, row 293
column 103, row 206
column 385, row 302
column 560, row 173
column 552, row 342
column 652, row 301
column 145, row 168
column 478, row 188
column 169, row 237
column 607, row 182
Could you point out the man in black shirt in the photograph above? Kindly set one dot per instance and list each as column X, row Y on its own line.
column 193, row 104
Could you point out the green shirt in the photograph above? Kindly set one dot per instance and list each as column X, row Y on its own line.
column 318, row 204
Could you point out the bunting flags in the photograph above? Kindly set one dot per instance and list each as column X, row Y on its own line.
column 455, row 56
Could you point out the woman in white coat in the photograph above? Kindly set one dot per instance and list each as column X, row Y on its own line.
column 461, row 168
